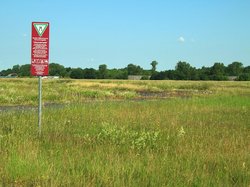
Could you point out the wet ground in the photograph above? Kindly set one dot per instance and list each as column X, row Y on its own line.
column 142, row 96
column 30, row 108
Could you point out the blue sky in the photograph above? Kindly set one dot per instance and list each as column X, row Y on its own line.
column 87, row 33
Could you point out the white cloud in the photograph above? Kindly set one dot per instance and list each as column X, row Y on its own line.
column 181, row 39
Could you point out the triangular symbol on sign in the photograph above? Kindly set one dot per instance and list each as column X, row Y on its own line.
column 40, row 28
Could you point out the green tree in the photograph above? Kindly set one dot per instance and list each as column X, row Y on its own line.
column 235, row 69
column 204, row 73
column 218, row 71
column 159, row 76
column 134, row 69
column 117, row 74
column 76, row 73
column 24, row 70
column 184, row 71
column 153, row 64
column 89, row 73
column 6, row 72
column 56, row 70
column 68, row 71
column 16, row 69
column 102, row 74
column 246, row 69
column 244, row 77
column 171, row 74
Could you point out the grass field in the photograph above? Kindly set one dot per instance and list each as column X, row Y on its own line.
column 126, row 133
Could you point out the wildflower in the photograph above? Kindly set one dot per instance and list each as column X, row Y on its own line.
column 181, row 131
column 244, row 165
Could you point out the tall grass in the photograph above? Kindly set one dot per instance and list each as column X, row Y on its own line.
column 200, row 141
column 24, row 91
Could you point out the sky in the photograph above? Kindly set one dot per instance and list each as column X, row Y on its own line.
column 87, row 33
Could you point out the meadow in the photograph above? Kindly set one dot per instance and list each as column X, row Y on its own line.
column 125, row 133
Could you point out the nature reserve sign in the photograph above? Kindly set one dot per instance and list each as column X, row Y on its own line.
column 40, row 49
column 40, row 59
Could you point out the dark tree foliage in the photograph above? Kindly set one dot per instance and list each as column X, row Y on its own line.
column 16, row 69
column 153, row 64
column 246, row 69
column 89, row 73
column 76, row 73
column 244, row 77
column 171, row 75
column 159, row 76
column 134, row 69
column 204, row 73
column 218, row 72
column 57, row 70
column 24, row 70
column 103, row 70
column 117, row 74
column 234, row 69
column 6, row 72
column 68, row 71
column 182, row 71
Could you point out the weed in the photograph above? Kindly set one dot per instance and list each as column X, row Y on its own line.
column 133, row 139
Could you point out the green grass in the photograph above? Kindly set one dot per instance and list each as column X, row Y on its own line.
column 24, row 91
column 201, row 140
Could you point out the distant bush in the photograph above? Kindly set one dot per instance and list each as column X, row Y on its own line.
column 244, row 77
column 145, row 77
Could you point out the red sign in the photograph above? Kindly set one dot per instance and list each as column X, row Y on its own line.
column 40, row 49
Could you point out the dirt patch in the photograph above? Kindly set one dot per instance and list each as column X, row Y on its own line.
column 28, row 108
column 18, row 108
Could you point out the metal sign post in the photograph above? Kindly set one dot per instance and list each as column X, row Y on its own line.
column 40, row 59
column 40, row 105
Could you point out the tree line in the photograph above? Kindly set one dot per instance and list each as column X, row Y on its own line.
column 182, row 71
